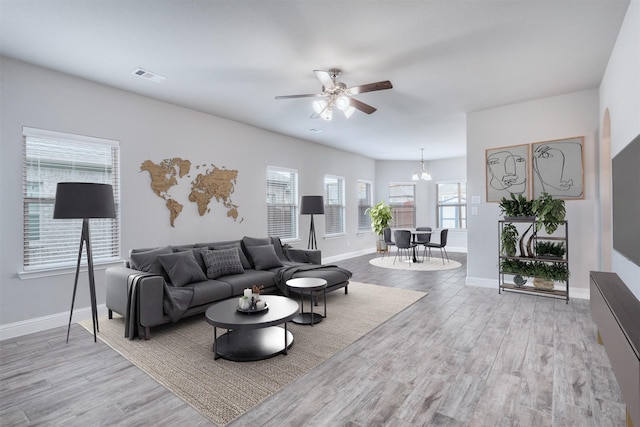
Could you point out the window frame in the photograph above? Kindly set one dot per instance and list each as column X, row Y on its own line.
column 50, row 157
column 330, row 208
column 364, row 227
column 293, row 205
column 395, row 207
column 461, row 206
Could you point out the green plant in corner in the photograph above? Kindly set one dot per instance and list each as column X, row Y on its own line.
column 381, row 216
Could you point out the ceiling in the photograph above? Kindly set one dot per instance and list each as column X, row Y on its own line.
column 231, row 58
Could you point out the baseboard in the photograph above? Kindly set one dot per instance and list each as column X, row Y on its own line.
column 578, row 293
column 38, row 324
column 342, row 257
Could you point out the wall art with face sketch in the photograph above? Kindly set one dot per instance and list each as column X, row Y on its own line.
column 557, row 168
column 507, row 172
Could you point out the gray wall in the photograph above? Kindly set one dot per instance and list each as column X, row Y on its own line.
column 149, row 129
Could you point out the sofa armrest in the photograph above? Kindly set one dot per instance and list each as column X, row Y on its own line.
column 304, row 255
column 150, row 294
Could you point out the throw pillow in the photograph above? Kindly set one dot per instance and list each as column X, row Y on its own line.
column 147, row 260
column 222, row 262
column 264, row 257
column 243, row 258
column 247, row 242
column 182, row 268
column 197, row 253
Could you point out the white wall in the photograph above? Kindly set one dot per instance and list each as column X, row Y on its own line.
column 149, row 129
column 443, row 170
column 564, row 116
column 620, row 94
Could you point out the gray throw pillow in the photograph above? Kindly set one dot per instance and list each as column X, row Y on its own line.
column 247, row 242
column 182, row 268
column 147, row 260
column 243, row 258
column 197, row 253
column 222, row 262
column 264, row 257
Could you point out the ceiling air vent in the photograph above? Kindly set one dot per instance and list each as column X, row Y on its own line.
column 148, row 75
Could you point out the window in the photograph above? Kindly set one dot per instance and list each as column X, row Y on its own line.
column 282, row 203
column 364, row 203
column 402, row 201
column 452, row 205
column 52, row 157
column 333, row 205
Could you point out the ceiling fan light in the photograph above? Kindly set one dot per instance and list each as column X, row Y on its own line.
column 343, row 102
column 319, row 106
column 349, row 112
column 327, row 114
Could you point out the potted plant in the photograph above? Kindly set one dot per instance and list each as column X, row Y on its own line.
column 381, row 216
column 550, row 212
column 552, row 250
column 509, row 239
column 517, row 207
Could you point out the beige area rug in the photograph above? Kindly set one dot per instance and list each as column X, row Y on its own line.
column 179, row 356
column 429, row 264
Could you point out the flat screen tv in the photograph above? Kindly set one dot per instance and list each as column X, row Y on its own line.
column 626, row 201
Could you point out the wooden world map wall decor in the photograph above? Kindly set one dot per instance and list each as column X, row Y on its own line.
column 170, row 177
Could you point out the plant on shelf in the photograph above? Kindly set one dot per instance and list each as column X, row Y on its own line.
column 549, row 211
column 555, row 271
column 509, row 239
column 517, row 206
column 546, row 249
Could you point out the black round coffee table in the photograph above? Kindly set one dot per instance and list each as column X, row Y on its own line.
column 251, row 336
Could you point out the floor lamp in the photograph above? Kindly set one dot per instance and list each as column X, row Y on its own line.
column 84, row 200
column 310, row 205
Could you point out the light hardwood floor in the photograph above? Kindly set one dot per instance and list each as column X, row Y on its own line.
column 461, row 356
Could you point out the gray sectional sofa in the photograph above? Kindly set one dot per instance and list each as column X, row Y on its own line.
column 165, row 284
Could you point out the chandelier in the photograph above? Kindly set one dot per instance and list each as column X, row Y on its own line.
column 422, row 174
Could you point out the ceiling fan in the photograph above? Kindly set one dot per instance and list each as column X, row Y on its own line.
column 337, row 95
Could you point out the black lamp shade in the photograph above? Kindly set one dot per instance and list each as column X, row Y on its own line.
column 84, row 200
column 310, row 205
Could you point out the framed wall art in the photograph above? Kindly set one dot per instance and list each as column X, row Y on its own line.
column 558, row 168
column 507, row 172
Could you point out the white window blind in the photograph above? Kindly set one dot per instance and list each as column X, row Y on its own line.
column 364, row 203
column 402, row 201
column 52, row 157
column 334, row 202
column 282, row 203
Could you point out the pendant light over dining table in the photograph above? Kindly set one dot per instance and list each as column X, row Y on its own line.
column 422, row 174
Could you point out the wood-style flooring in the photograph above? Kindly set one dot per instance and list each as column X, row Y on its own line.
column 461, row 356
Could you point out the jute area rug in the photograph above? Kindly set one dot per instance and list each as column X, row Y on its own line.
column 179, row 356
column 429, row 264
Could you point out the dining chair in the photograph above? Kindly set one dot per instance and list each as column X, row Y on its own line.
column 423, row 239
column 441, row 245
column 403, row 243
column 386, row 235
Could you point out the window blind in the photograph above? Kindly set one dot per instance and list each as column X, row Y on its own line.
column 402, row 201
column 364, row 203
column 452, row 204
column 282, row 203
column 52, row 157
column 334, row 202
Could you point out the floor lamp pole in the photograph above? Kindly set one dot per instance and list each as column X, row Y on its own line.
column 84, row 238
column 312, row 236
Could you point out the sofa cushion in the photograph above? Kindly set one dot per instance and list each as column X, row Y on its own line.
column 239, row 282
column 222, row 262
column 147, row 260
column 253, row 241
column 264, row 257
column 182, row 268
column 209, row 291
column 243, row 258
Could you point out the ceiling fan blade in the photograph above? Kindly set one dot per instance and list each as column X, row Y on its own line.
column 305, row 95
column 370, row 87
column 359, row 105
column 325, row 79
